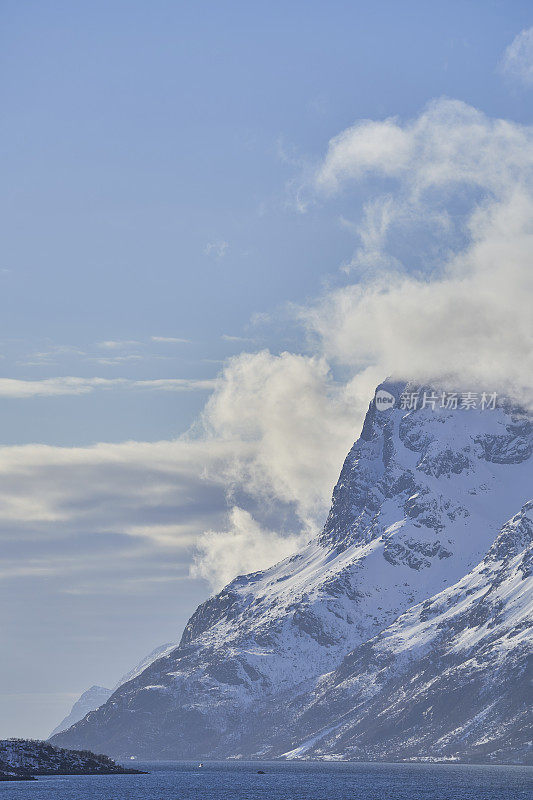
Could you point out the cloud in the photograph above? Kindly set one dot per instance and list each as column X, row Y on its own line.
column 243, row 547
column 239, row 339
column 177, row 384
column 217, row 249
column 271, row 442
column 298, row 422
column 458, row 187
column 53, row 387
column 117, row 344
column 517, row 60
column 132, row 488
column 115, row 351
column 117, row 519
column 450, row 143
column 52, row 355
column 115, row 360
column 169, row 340
column 439, row 286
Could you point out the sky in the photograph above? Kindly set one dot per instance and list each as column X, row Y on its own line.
column 223, row 225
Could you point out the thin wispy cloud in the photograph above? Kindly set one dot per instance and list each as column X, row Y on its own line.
column 178, row 384
column 118, row 344
column 217, row 249
column 170, row 340
column 517, row 61
column 54, row 387
column 115, row 352
column 117, row 360
column 52, row 355
column 227, row 338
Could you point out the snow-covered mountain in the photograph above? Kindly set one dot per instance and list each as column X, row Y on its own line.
column 88, row 701
column 449, row 679
column 96, row 696
column 270, row 665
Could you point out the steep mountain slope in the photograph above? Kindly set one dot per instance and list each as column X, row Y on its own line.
column 449, row 679
column 420, row 500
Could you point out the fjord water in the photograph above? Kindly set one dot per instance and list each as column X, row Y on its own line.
column 286, row 781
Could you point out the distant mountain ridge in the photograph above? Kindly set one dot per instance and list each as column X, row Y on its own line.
column 90, row 700
column 96, row 696
column 290, row 661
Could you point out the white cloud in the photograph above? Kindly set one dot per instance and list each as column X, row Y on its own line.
column 116, row 360
column 274, row 436
column 116, row 351
column 217, row 249
column 177, row 384
column 448, row 144
column 463, row 183
column 298, row 421
column 244, row 547
column 169, row 340
column 517, row 60
column 381, row 146
column 137, row 486
column 52, row 355
column 453, row 302
column 53, row 387
column 458, row 189
column 111, row 344
column 227, row 338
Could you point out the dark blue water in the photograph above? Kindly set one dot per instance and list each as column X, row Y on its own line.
column 286, row 781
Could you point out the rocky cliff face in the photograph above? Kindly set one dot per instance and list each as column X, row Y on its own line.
column 266, row 667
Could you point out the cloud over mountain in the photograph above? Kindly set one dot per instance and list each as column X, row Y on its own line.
column 439, row 287
column 461, row 185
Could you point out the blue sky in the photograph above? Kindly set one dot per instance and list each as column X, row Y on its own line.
column 160, row 216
